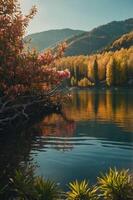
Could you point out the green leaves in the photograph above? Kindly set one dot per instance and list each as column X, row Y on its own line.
column 116, row 185
column 27, row 187
column 22, row 184
column 46, row 189
column 81, row 191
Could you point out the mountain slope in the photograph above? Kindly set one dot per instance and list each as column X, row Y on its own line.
column 97, row 39
column 125, row 41
column 47, row 39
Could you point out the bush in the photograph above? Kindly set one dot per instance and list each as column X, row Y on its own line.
column 81, row 191
column 27, row 187
column 116, row 185
column 46, row 189
column 23, row 184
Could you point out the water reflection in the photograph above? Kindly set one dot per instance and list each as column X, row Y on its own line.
column 59, row 126
column 53, row 132
column 101, row 114
column 95, row 133
column 110, row 106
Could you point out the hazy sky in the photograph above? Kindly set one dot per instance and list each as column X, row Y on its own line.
column 76, row 14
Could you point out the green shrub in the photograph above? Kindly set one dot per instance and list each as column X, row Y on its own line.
column 23, row 184
column 81, row 191
column 27, row 187
column 46, row 189
column 116, row 185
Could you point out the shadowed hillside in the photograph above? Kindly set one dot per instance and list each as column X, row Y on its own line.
column 51, row 38
column 125, row 41
column 97, row 39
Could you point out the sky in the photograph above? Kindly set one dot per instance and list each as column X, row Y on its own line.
column 76, row 14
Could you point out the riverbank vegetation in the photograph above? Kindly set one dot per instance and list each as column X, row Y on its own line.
column 106, row 69
column 114, row 185
column 27, row 79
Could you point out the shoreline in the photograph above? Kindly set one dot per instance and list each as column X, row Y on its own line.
column 18, row 117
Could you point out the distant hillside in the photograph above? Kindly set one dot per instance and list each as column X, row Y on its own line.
column 48, row 39
column 97, row 39
column 125, row 41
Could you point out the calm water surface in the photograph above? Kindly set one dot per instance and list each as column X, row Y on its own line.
column 95, row 133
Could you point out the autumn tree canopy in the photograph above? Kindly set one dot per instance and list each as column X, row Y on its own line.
column 112, row 68
column 22, row 69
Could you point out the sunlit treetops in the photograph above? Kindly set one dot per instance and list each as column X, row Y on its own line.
column 114, row 68
column 124, row 41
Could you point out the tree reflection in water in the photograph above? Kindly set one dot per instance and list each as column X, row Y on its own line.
column 113, row 106
column 87, row 109
column 15, row 148
column 54, row 131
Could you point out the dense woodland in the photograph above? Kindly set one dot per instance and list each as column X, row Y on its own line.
column 125, row 41
column 108, row 68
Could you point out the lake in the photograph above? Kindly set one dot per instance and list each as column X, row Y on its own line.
column 94, row 134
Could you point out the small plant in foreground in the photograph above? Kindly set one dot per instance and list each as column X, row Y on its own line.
column 81, row 191
column 116, row 185
column 23, row 184
column 46, row 189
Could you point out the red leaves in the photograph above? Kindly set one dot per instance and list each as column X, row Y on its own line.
column 21, row 70
column 45, row 58
column 63, row 74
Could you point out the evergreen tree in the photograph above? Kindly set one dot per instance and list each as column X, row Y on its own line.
column 95, row 72
column 111, row 72
column 124, row 72
column 72, row 81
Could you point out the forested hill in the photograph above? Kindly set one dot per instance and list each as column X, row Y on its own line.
column 97, row 39
column 124, row 41
column 86, row 43
column 51, row 38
